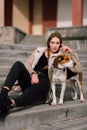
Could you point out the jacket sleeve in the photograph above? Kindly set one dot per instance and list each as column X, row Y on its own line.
column 77, row 68
column 29, row 62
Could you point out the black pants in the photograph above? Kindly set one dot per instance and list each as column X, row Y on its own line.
column 31, row 92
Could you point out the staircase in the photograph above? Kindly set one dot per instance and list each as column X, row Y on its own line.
column 42, row 116
column 9, row 53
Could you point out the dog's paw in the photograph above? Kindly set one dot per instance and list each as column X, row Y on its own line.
column 82, row 100
column 60, row 103
column 74, row 98
column 53, row 103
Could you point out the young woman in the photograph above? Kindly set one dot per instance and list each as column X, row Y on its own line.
column 32, row 76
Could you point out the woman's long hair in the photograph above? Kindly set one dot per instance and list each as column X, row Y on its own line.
column 54, row 34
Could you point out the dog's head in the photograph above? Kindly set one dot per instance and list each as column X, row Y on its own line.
column 62, row 61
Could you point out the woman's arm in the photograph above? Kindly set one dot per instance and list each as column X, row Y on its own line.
column 65, row 48
column 29, row 62
column 28, row 65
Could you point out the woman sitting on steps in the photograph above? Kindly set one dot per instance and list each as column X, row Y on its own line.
column 32, row 76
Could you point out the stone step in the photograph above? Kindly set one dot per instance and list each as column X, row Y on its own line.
column 84, row 69
column 46, row 117
column 83, row 55
column 82, row 52
column 14, row 53
column 10, row 60
column 18, row 47
column 83, row 63
column 76, row 44
column 37, row 40
column 4, row 69
column 72, row 124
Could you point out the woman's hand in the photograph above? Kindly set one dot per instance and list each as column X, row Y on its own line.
column 34, row 79
column 65, row 48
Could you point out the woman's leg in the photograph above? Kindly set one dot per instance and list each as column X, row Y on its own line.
column 20, row 73
column 34, row 93
column 17, row 72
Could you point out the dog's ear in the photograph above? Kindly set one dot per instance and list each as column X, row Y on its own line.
column 67, row 57
column 56, row 60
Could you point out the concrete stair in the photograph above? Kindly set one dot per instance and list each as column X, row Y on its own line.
column 34, row 40
column 71, row 115
column 74, row 124
column 10, row 53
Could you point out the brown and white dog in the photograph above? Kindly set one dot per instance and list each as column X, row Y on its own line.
column 59, row 76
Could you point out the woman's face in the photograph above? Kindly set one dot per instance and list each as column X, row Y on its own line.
column 54, row 44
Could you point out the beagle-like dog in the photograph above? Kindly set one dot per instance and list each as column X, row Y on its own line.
column 61, row 65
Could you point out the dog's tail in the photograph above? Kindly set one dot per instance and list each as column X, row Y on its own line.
column 80, row 78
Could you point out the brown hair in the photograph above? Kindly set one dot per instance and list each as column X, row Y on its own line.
column 54, row 34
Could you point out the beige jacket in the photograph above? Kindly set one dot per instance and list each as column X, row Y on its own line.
column 34, row 58
column 37, row 53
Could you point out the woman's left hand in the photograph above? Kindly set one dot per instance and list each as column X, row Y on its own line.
column 34, row 79
column 65, row 48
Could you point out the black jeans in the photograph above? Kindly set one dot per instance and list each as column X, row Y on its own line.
column 31, row 92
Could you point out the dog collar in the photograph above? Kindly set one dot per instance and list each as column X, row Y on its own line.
column 60, row 68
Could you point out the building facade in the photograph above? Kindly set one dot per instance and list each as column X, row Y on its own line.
column 35, row 16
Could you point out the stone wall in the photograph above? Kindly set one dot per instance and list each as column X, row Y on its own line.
column 75, row 37
column 11, row 34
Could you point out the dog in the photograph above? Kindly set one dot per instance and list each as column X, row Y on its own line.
column 61, row 64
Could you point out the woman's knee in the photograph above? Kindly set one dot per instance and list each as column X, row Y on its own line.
column 18, row 64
